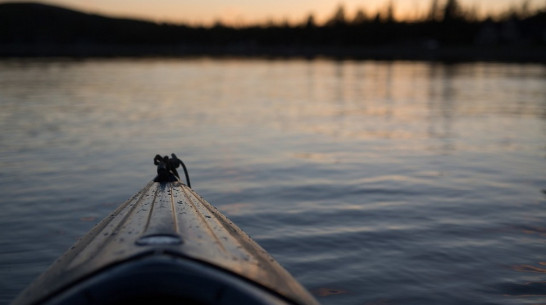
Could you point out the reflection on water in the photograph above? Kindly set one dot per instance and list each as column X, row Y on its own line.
column 529, row 268
column 371, row 182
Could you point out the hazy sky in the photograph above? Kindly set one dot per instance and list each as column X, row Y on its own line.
column 251, row 11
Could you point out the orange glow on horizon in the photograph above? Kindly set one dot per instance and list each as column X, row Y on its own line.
column 247, row 12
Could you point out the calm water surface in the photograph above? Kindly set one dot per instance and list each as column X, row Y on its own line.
column 371, row 182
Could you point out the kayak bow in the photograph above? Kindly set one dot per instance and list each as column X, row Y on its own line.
column 165, row 245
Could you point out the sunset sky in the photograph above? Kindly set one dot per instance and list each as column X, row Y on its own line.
column 259, row 11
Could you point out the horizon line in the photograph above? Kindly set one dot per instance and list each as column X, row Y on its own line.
column 388, row 7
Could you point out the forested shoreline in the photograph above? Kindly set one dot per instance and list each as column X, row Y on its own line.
column 447, row 32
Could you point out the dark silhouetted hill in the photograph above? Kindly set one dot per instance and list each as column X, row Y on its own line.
column 32, row 29
column 39, row 29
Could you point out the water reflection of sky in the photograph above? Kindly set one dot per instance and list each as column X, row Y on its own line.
column 356, row 175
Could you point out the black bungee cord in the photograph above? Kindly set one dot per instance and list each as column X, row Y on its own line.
column 166, row 169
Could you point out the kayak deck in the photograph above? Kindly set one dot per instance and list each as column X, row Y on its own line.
column 163, row 228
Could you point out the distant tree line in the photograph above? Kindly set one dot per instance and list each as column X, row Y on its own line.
column 38, row 29
column 446, row 23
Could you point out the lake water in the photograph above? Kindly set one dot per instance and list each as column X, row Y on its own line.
column 371, row 182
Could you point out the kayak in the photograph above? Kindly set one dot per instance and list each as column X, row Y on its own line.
column 165, row 245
